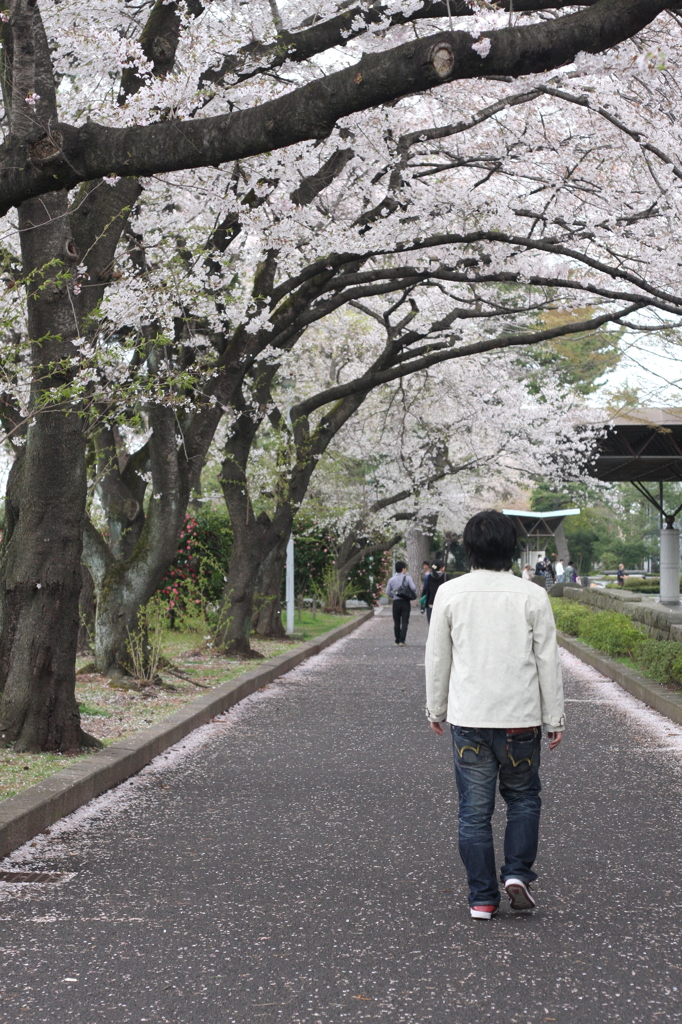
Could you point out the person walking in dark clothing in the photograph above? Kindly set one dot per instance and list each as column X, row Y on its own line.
column 431, row 585
column 401, row 591
column 550, row 579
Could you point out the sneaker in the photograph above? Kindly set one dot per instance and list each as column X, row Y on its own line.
column 519, row 894
column 483, row 913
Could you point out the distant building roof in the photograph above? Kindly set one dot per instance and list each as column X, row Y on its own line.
column 534, row 525
column 541, row 515
column 640, row 445
column 648, row 416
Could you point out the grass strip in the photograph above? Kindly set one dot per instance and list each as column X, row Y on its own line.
column 112, row 714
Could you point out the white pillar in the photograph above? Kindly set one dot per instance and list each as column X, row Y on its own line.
column 290, row 597
column 670, row 566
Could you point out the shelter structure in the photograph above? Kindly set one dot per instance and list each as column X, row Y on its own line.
column 534, row 529
column 644, row 447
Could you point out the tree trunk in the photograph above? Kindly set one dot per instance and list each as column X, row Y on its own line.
column 254, row 537
column 41, row 561
column 41, row 582
column 118, row 606
column 235, row 617
column 124, row 586
column 267, row 620
column 258, row 553
column 562, row 544
column 87, row 611
column 418, row 550
column 41, row 550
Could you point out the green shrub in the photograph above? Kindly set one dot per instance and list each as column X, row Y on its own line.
column 648, row 586
column 618, row 636
column 661, row 660
column 611, row 632
column 569, row 615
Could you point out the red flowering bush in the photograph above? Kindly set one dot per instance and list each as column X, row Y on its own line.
column 195, row 580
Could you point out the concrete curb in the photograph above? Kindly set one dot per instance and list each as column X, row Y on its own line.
column 646, row 690
column 34, row 809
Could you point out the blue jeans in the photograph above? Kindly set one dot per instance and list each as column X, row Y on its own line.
column 481, row 756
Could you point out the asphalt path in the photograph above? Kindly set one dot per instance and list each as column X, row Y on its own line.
column 296, row 862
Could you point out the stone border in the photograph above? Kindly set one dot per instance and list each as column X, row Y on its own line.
column 646, row 690
column 36, row 808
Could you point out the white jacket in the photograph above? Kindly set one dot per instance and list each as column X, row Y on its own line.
column 492, row 660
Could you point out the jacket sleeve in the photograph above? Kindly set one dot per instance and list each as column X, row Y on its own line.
column 438, row 661
column 546, row 654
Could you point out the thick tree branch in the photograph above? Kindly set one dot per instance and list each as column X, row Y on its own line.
column 96, row 553
column 67, row 155
column 314, row 37
column 373, row 378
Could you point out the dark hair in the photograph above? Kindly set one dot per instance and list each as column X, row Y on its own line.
column 425, row 562
column 489, row 540
column 399, row 566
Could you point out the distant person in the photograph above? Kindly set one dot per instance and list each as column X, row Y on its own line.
column 540, row 567
column 493, row 673
column 431, row 584
column 559, row 570
column 549, row 572
column 527, row 573
column 426, row 569
column 572, row 573
column 401, row 591
column 621, row 575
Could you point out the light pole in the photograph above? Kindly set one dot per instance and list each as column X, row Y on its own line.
column 289, row 590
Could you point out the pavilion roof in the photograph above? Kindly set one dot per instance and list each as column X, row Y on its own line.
column 538, row 524
column 640, row 445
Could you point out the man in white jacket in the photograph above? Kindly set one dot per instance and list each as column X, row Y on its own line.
column 493, row 673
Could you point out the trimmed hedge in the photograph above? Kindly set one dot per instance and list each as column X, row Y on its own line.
column 652, row 585
column 619, row 637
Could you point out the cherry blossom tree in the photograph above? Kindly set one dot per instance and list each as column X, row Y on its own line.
column 437, row 447
column 238, row 49
column 198, row 86
column 302, row 425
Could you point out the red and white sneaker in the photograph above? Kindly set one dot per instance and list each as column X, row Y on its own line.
column 519, row 895
column 483, row 913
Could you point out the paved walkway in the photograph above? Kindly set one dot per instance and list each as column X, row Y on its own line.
column 297, row 863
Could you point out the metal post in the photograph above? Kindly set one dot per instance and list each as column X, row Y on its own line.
column 290, row 585
column 670, row 564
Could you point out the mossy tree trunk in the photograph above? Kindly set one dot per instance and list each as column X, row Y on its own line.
column 125, row 584
column 41, row 550
column 268, row 618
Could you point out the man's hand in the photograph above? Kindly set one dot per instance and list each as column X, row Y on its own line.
column 437, row 728
column 555, row 739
